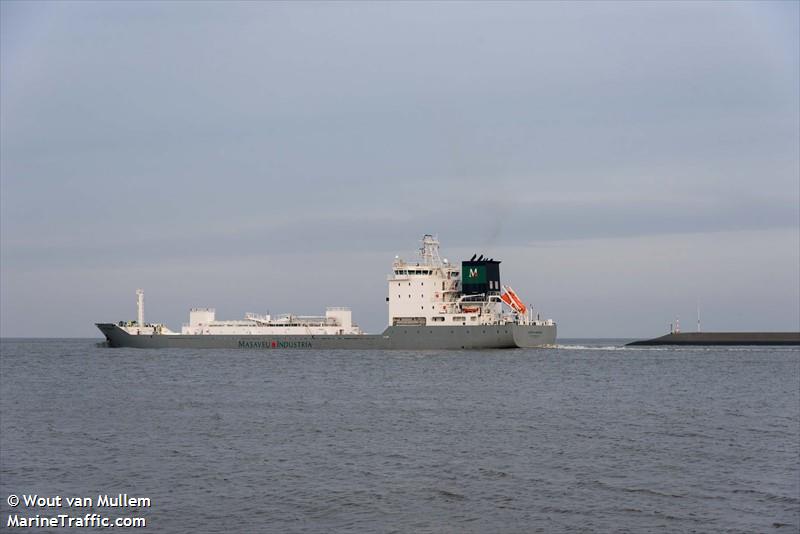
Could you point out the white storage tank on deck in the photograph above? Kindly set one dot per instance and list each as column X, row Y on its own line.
column 201, row 316
column 343, row 316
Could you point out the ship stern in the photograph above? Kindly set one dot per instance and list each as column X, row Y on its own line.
column 528, row 336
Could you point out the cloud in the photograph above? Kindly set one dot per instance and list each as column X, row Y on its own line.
column 143, row 136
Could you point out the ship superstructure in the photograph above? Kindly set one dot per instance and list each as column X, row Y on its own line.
column 431, row 304
column 434, row 292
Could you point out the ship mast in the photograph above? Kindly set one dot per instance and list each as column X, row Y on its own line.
column 430, row 251
column 140, row 307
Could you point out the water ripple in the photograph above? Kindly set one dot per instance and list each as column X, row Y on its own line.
column 584, row 437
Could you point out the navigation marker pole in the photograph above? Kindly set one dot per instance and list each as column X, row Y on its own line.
column 698, row 315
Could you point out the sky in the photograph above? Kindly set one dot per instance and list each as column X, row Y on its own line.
column 627, row 161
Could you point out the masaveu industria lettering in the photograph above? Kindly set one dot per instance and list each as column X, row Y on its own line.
column 245, row 344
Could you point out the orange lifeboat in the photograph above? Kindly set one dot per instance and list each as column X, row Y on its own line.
column 513, row 301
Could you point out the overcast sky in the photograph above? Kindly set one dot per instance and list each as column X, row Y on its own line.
column 624, row 160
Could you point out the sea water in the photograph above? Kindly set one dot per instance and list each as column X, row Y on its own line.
column 589, row 436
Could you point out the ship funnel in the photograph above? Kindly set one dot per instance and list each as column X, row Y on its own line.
column 140, row 307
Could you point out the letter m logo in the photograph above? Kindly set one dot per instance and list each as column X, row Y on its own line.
column 474, row 274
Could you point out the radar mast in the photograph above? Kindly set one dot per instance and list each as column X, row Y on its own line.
column 430, row 251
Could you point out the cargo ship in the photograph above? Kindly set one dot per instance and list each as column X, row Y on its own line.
column 432, row 304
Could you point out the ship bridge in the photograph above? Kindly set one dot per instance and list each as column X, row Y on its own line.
column 433, row 291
